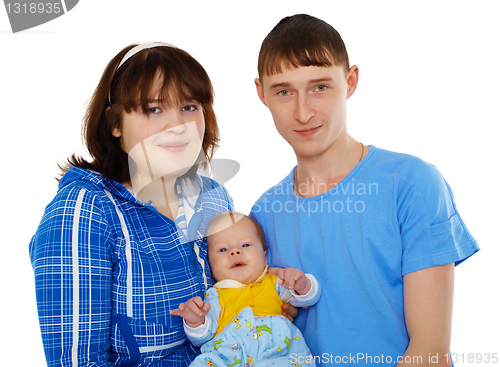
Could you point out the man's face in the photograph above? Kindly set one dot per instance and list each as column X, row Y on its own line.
column 308, row 105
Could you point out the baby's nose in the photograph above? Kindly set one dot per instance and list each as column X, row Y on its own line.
column 235, row 251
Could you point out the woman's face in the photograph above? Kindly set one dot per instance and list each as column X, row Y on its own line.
column 165, row 143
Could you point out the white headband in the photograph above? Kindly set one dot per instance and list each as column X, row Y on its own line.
column 135, row 50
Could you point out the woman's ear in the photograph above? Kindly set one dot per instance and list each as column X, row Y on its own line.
column 116, row 132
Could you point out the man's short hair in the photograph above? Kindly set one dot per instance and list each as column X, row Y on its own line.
column 301, row 40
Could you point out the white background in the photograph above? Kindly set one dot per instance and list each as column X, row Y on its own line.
column 429, row 86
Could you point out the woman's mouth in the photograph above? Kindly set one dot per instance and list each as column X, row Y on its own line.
column 174, row 147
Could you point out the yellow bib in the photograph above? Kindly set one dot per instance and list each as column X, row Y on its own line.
column 262, row 298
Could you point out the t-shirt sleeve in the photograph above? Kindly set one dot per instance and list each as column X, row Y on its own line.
column 432, row 231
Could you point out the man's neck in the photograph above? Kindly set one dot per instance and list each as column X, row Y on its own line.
column 319, row 174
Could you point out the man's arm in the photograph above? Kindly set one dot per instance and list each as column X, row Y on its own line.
column 428, row 302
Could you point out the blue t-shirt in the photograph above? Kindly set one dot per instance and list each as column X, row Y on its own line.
column 393, row 214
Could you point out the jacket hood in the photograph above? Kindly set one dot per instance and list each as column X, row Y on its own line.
column 115, row 188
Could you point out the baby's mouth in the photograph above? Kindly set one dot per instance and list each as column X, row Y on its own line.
column 237, row 264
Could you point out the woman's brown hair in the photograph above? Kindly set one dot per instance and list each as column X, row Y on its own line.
column 128, row 88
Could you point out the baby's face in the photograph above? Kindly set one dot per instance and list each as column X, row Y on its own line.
column 236, row 251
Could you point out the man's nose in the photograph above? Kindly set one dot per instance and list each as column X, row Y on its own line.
column 304, row 110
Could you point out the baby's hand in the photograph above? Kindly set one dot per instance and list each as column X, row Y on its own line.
column 193, row 311
column 292, row 278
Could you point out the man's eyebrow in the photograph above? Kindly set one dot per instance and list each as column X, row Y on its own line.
column 279, row 85
column 312, row 81
column 325, row 79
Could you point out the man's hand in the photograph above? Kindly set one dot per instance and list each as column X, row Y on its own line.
column 289, row 311
column 294, row 279
column 193, row 311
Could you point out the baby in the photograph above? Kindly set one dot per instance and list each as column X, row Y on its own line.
column 240, row 321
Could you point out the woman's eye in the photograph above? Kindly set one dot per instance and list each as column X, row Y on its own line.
column 190, row 108
column 283, row 93
column 154, row 110
column 222, row 250
column 321, row 88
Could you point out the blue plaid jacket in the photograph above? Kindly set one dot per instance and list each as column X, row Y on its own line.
column 109, row 268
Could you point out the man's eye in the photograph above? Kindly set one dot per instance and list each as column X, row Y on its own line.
column 283, row 93
column 222, row 250
column 154, row 110
column 321, row 88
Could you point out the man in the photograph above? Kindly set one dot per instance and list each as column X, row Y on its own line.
column 378, row 229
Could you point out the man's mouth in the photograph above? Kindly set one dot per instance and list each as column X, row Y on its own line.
column 308, row 132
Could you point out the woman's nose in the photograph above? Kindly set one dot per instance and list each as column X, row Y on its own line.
column 175, row 127
column 173, row 122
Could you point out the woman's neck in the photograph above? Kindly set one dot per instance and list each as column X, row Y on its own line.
column 162, row 192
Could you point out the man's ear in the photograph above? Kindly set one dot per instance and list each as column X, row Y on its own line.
column 352, row 80
column 260, row 90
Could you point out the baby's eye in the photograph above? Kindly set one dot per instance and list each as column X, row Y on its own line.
column 154, row 110
column 283, row 93
column 222, row 250
column 246, row 245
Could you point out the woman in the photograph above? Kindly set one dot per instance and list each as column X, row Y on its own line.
column 122, row 243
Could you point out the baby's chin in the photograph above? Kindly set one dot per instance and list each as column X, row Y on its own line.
column 242, row 278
